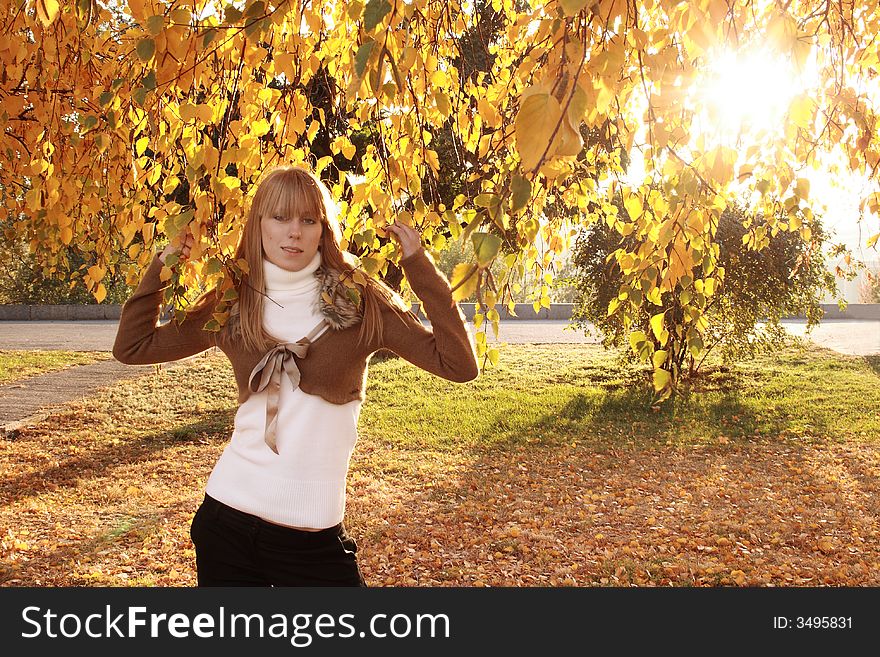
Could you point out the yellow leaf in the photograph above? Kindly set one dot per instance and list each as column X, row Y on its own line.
column 633, row 205
column 100, row 293
column 259, row 128
column 155, row 173
column 34, row 199
column 570, row 141
column 657, row 324
column 468, row 287
column 573, row 7
column 636, row 338
column 187, row 111
column 801, row 111
column 654, row 295
column 181, row 16
column 488, row 113
column 613, row 305
column 782, row 31
column 486, row 247
column 66, row 235
column 314, row 126
column 47, row 11
column 604, row 98
column 578, row 105
column 343, row 145
column 283, row 63
column 141, row 145
column 661, row 379
column 536, row 122
column 432, row 159
column 204, row 113
column 137, row 8
column 444, row 106
column 96, row 272
column 659, row 358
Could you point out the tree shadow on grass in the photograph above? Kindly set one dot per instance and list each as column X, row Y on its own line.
column 873, row 362
column 104, row 458
column 624, row 414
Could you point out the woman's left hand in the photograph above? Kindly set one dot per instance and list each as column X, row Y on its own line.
column 409, row 239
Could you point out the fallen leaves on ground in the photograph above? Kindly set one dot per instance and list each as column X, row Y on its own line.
column 102, row 496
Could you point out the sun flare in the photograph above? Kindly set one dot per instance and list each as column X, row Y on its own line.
column 749, row 92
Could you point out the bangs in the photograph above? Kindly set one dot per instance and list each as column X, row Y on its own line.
column 288, row 192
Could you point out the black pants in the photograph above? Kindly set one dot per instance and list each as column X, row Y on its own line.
column 234, row 548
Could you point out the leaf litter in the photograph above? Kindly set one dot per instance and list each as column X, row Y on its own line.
column 102, row 494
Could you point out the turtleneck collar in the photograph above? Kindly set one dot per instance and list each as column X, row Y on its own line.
column 278, row 279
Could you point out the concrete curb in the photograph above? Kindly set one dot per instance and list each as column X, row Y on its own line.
column 524, row 311
column 59, row 312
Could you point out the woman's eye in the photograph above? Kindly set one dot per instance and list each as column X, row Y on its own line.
column 278, row 217
column 309, row 220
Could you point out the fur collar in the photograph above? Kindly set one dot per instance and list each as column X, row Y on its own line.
column 341, row 306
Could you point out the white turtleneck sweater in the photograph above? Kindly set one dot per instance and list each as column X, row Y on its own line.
column 303, row 485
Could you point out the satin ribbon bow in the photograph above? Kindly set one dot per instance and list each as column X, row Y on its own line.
column 266, row 375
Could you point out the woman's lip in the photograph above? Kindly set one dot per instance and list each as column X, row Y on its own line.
column 291, row 250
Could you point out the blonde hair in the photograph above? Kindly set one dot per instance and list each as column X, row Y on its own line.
column 283, row 190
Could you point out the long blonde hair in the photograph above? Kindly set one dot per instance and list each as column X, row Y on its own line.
column 282, row 190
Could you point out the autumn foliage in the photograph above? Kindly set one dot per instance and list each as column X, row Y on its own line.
column 128, row 123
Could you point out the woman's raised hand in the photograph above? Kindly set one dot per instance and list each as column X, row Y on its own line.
column 409, row 239
column 184, row 248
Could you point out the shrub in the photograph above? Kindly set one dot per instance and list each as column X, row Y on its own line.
column 788, row 277
column 24, row 281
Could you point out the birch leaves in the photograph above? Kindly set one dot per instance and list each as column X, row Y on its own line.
column 551, row 110
column 545, row 128
column 503, row 124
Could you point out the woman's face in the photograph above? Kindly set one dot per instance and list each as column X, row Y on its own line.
column 290, row 241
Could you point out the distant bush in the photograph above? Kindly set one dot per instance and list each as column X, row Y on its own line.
column 788, row 277
column 869, row 287
column 24, row 281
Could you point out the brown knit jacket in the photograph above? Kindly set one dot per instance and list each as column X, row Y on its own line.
column 335, row 367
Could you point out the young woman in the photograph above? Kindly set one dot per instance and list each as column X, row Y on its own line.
column 299, row 341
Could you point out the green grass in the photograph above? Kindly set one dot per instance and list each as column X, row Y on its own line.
column 581, row 393
column 560, row 395
column 21, row 364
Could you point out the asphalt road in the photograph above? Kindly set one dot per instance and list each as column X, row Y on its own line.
column 846, row 336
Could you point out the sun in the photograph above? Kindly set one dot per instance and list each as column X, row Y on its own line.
column 748, row 92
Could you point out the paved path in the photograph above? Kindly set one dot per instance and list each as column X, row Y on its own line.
column 846, row 336
column 31, row 400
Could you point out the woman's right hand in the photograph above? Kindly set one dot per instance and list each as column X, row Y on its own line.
column 184, row 248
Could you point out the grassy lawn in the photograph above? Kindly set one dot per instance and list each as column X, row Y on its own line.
column 550, row 470
column 20, row 364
